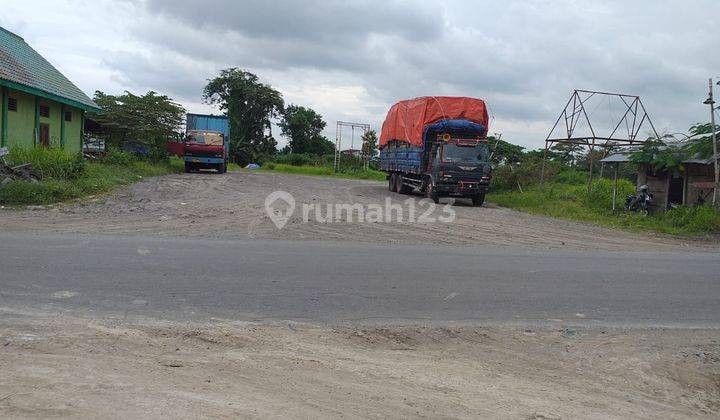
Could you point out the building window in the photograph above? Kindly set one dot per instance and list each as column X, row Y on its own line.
column 45, row 111
column 12, row 104
column 68, row 116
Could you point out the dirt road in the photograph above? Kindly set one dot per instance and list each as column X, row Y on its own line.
column 233, row 206
column 75, row 367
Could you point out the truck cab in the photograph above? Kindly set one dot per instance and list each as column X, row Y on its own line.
column 458, row 167
column 205, row 150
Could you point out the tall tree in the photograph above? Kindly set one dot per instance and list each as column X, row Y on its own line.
column 304, row 127
column 566, row 153
column 369, row 144
column 148, row 119
column 250, row 107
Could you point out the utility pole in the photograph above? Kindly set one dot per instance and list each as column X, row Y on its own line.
column 711, row 102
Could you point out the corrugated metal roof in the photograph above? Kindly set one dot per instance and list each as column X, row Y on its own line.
column 22, row 68
column 700, row 160
column 616, row 157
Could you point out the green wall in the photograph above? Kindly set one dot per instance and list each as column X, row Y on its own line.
column 21, row 123
column 73, row 139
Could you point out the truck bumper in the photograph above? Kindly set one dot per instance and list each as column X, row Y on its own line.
column 462, row 188
column 204, row 160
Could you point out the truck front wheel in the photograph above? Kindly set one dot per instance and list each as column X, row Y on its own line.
column 188, row 167
column 478, row 199
column 223, row 168
column 431, row 192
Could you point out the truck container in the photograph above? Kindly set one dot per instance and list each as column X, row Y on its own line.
column 437, row 146
column 206, row 144
column 208, row 123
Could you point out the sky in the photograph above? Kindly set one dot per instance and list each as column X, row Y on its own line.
column 351, row 60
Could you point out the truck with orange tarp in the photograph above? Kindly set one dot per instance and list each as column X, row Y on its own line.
column 437, row 146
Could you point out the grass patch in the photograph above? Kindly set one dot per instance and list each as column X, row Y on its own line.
column 572, row 202
column 62, row 180
column 369, row 174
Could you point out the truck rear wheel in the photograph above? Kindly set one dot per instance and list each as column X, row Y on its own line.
column 478, row 200
column 188, row 167
column 392, row 183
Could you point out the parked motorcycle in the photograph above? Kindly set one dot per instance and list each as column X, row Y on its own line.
column 640, row 202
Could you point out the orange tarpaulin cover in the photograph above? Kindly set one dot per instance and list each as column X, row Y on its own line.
column 407, row 119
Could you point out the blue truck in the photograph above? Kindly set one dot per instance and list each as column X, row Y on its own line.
column 437, row 146
column 206, row 144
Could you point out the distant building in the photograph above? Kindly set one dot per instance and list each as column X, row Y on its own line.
column 690, row 187
column 353, row 152
column 40, row 106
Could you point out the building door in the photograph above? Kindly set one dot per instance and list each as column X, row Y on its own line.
column 675, row 191
column 45, row 134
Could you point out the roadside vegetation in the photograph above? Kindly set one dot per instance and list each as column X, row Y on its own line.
column 370, row 174
column 322, row 165
column 565, row 193
column 64, row 176
column 568, row 198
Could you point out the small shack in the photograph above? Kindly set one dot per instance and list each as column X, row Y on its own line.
column 690, row 186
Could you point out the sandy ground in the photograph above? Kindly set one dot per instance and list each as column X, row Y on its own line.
column 74, row 367
column 233, row 206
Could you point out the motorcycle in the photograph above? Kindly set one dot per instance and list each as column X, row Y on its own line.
column 640, row 202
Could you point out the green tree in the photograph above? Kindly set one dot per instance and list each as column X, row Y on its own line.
column 250, row 107
column 303, row 126
column 504, row 152
column 369, row 144
column 663, row 153
column 700, row 141
column 565, row 153
column 148, row 120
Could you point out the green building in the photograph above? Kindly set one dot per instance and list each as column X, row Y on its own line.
column 40, row 106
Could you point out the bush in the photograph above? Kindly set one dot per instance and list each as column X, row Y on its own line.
column 294, row 159
column 527, row 174
column 49, row 162
column 570, row 176
column 157, row 152
column 600, row 196
column 693, row 219
column 115, row 156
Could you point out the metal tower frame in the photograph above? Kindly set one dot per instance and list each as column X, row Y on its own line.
column 338, row 137
column 634, row 117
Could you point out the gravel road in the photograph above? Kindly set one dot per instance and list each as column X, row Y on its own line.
column 232, row 206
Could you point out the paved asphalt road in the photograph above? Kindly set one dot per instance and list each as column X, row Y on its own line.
column 197, row 279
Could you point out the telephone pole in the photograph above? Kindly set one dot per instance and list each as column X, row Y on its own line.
column 711, row 102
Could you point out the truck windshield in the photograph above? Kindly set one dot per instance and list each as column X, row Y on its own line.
column 453, row 153
column 208, row 139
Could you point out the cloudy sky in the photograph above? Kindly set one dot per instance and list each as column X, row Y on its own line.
column 352, row 60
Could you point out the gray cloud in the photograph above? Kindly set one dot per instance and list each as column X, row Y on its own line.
column 523, row 57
